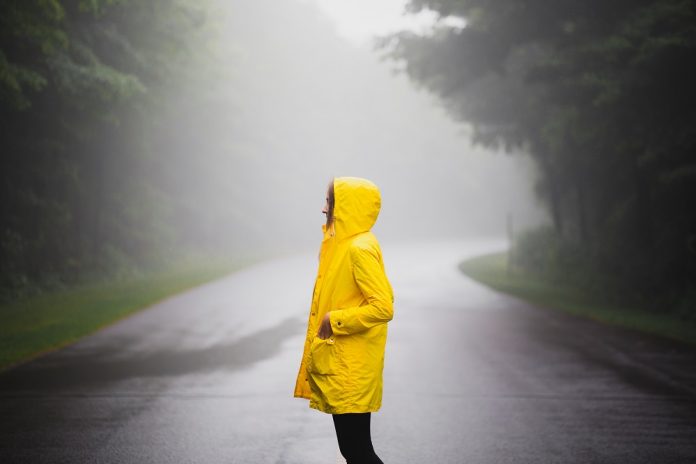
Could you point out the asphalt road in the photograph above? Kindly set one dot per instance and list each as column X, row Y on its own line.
column 471, row 376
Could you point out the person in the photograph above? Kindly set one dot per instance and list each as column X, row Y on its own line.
column 352, row 302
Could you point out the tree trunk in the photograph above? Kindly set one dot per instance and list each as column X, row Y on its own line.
column 554, row 191
column 643, row 211
column 580, row 204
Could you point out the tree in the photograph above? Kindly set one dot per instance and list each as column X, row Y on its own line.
column 601, row 94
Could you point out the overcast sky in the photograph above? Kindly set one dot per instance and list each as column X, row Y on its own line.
column 359, row 20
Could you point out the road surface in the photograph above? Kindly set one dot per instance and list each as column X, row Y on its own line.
column 471, row 376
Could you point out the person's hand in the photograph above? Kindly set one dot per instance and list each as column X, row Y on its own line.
column 325, row 330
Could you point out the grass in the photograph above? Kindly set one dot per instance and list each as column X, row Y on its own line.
column 491, row 270
column 39, row 324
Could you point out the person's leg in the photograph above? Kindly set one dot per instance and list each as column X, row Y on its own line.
column 354, row 439
column 343, row 430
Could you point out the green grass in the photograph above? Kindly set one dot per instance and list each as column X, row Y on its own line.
column 39, row 324
column 491, row 270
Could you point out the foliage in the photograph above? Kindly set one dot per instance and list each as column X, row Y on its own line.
column 601, row 94
column 492, row 270
column 81, row 84
column 34, row 325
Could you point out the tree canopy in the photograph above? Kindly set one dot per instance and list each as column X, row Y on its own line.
column 80, row 83
column 602, row 96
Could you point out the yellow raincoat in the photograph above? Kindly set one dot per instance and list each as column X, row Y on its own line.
column 343, row 374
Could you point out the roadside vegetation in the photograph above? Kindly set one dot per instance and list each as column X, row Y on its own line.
column 601, row 96
column 38, row 324
column 96, row 97
column 496, row 271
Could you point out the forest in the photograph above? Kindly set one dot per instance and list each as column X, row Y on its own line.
column 602, row 96
column 99, row 160
column 82, row 85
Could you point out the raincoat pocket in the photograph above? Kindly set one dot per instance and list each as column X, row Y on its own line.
column 322, row 356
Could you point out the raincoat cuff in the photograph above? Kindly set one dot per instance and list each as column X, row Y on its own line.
column 337, row 320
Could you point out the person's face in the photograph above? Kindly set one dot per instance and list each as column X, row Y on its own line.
column 326, row 204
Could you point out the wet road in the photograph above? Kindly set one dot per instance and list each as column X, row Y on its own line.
column 471, row 376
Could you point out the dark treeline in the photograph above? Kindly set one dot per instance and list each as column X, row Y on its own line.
column 81, row 84
column 603, row 97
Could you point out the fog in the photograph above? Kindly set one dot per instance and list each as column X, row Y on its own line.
column 278, row 102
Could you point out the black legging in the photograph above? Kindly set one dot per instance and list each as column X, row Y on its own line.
column 354, row 440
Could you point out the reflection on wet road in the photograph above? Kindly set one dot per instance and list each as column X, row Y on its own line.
column 470, row 376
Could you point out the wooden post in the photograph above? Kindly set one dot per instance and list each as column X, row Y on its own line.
column 511, row 242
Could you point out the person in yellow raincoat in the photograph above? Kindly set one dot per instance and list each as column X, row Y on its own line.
column 352, row 302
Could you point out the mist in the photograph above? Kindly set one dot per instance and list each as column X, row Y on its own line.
column 289, row 104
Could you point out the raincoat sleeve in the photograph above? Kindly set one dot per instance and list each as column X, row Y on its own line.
column 371, row 279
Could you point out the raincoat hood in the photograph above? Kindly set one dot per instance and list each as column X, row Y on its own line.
column 356, row 207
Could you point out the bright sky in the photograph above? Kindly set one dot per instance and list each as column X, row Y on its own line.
column 360, row 20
